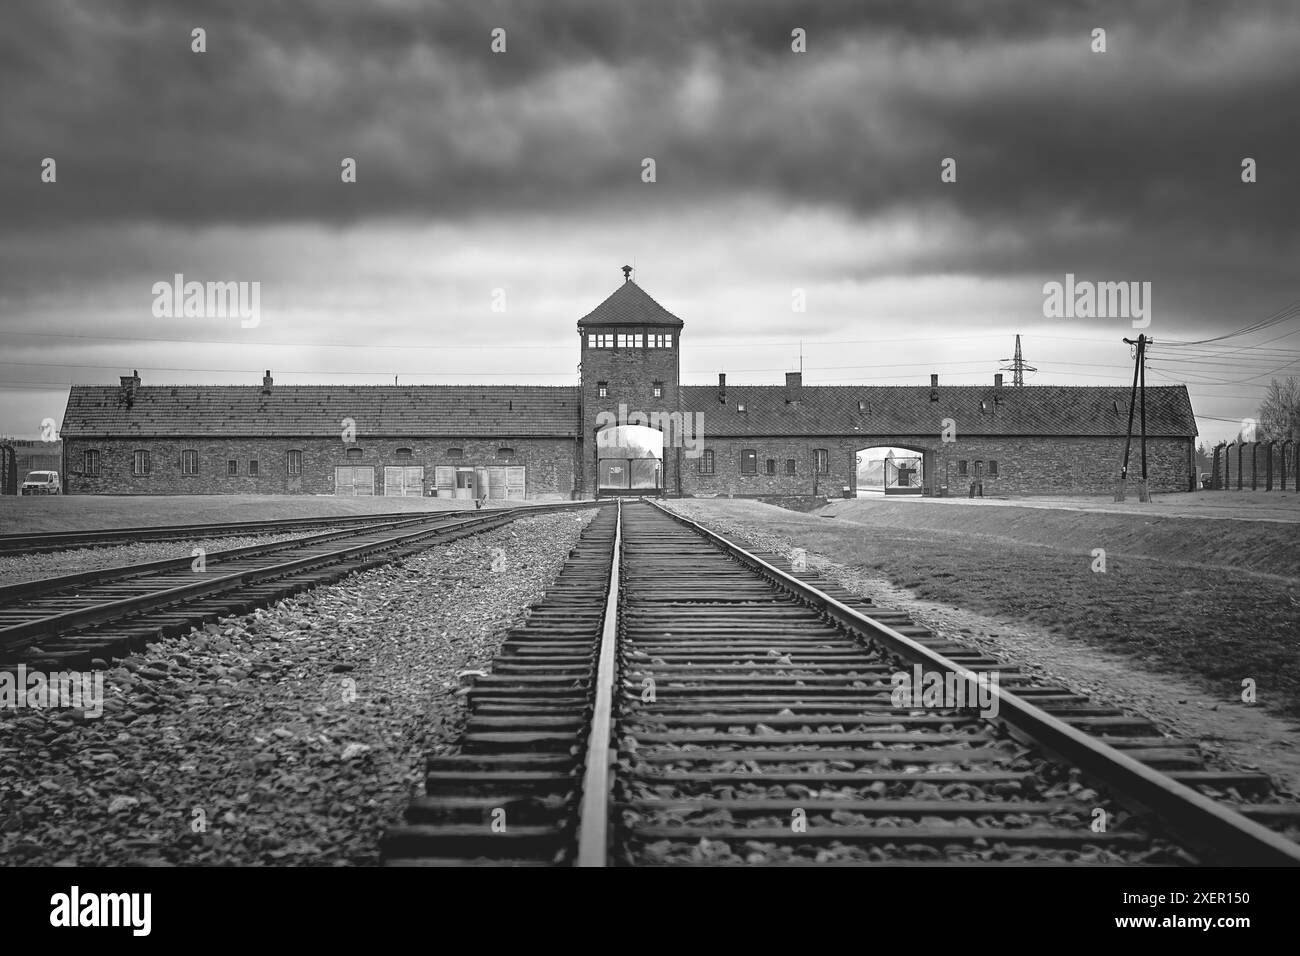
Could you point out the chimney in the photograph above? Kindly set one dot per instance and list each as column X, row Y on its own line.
column 267, row 382
column 793, row 386
column 934, row 381
column 997, row 380
column 934, row 387
column 722, row 388
column 129, row 384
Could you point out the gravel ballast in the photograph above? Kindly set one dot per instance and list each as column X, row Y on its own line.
column 291, row 736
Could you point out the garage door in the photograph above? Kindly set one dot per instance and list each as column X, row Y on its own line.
column 354, row 480
column 406, row 481
column 506, row 481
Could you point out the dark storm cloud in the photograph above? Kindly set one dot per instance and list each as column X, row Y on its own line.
column 1043, row 129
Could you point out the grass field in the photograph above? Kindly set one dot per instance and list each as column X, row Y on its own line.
column 92, row 512
column 1215, row 600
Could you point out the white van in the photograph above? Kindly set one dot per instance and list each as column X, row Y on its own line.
column 42, row 483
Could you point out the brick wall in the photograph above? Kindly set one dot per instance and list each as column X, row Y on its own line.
column 1025, row 465
column 630, row 374
column 549, row 464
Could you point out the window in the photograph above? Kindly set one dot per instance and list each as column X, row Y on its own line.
column 353, row 454
column 961, row 468
column 749, row 462
column 140, row 464
column 252, row 467
column 189, row 462
column 822, row 460
column 740, row 407
column 295, row 462
column 90, row 462
column 455, row 452
column 658, row 389
column 602, row 389
column 706, row 462
column 657, row 341
column 404, row 453
column 984, row 407
column 232, row 467
column 771, row 466
column 600, row 340
column 629, row 340
column 993, row 468
column 789, row 466
column 505, row 452
column 862, row 406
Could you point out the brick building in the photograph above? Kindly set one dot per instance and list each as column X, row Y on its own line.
column 790, row 440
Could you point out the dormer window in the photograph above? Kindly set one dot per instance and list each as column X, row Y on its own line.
column 984, row 407
column 740, row 406
column 862, row 406
column 602, row 389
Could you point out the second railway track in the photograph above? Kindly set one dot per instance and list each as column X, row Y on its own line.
column 72, row 620
column 675, row 699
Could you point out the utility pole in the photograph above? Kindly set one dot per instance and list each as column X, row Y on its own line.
column 1137, row 395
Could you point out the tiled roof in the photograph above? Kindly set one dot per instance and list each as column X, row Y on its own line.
column 308, row 410
column 907, row 410
column 629, row 304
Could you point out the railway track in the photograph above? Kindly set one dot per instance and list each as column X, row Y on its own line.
column 676, row 699
column 46, row 541
column 73, row 620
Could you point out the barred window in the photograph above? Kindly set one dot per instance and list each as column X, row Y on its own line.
column 789, row 466
column 993, row 468
column 749, row 462
column 706, row 462
column 403, row 453
column 189, row 462
column 232, row 467
column 505, row 452
column 140, row 463
column 90, row 462
column 252, row 467
column 602, row 389
column 455, row 452
column 353, row 454
column 961, row 468
column 295, row 462
column 771, row 466
column 822, row 460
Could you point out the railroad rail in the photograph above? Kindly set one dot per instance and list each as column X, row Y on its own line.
column 748, row 715
column 45, row 541
column 73, row 620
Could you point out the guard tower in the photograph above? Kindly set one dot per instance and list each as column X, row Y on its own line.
column 630, row 376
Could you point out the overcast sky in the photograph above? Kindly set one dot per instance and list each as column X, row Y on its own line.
column 522, row 171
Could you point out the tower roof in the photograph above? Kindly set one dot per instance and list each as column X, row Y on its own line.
column 629, row 305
